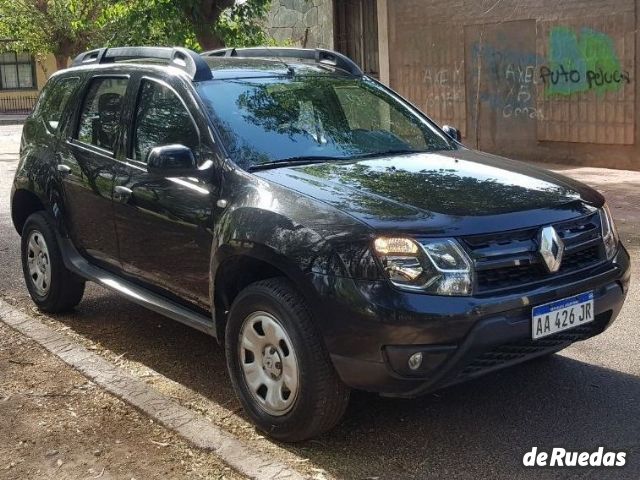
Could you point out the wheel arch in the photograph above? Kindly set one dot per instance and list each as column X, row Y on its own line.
column 24, row 203
column 235, row 268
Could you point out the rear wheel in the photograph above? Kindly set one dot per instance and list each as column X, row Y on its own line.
column 52, row 287
column 278, row 364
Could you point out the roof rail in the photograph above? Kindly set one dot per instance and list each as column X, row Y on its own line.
column 182, row 58
column 319, row 55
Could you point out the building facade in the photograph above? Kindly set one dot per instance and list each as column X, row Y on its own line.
column 21, row 79
column 533, row 79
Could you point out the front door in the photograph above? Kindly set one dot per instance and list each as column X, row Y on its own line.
column 87, row 161
column 163, row 224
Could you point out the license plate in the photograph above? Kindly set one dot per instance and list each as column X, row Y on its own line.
column 561, row 315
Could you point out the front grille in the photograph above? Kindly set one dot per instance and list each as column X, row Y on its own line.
column 521, row 350
column 510, row 260
column 507, row 277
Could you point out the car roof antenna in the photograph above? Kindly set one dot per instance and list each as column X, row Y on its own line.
column 290, row 70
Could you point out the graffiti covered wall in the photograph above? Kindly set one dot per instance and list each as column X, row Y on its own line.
column 587, row 81
column 433, row 75
column 566, row 83
column 510, row 79
column 501, row 66
column 580, row 62
column 533, row 79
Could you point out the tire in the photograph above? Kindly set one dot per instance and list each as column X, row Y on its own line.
column 320, row 398
column 52, row 287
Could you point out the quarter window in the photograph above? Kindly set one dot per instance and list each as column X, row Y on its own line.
column 100, row 117
column 54, row 102
column 161, row 119
column 17, row 71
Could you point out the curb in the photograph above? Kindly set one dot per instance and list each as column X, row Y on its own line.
column 12, row 119
column 188, row 424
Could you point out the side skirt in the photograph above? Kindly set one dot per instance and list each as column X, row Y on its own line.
column 142, row 296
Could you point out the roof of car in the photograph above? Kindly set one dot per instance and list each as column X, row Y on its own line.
column 225, row 63
column 238, row 67
column 229, row 68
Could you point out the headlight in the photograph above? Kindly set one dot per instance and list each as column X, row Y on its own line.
column 435, row 266
column 609, row 233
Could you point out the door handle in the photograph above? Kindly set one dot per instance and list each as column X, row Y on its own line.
column 64, row 169
column 122, row 194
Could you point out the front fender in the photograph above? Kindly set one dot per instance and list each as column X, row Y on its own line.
column 271, row 238
column 295, row 234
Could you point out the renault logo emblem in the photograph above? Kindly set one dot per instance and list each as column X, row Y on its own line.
column 551, row 248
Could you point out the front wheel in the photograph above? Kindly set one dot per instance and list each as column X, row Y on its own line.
column 278, row 364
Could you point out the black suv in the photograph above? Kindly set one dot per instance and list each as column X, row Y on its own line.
column 322, row 228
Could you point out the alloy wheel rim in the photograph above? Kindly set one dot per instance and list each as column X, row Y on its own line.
column 269, row 363
column 38, row 263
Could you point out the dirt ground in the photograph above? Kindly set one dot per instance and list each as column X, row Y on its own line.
column 56, row 424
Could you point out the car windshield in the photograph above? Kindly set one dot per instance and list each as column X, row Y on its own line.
column 314, row 118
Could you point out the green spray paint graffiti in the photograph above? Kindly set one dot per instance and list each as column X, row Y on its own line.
column 580, row 63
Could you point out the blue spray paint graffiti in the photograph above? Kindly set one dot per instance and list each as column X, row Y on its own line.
column 508, row 82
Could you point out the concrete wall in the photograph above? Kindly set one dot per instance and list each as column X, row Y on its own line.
column 307, row 23
column 533, row 79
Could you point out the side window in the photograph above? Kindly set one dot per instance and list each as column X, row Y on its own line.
column 100, row 116
column 54, row 102
column 161, row 119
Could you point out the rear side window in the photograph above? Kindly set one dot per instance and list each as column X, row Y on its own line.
column 161, row 119
column 100, row 116
column 54, row 101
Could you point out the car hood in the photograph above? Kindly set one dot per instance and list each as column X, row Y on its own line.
column 451, row 192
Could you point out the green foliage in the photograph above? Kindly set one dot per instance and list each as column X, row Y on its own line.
column 68, row 27
column 147, row 22
column 61, row 27
column 178, row 22
column 242, row 25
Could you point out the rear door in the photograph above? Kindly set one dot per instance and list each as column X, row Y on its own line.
column 43, row 129
column 164, row 224
column 87, row 164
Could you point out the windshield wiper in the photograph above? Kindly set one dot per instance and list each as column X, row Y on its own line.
column 307, row 160
column 384, row 153
column 288, row 162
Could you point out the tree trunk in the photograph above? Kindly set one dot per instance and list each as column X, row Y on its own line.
column 203, row 16
column 207, row 39
column 61, row 61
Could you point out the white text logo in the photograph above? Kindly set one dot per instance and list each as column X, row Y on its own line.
column 560, row 457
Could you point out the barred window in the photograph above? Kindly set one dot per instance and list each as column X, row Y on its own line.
column 17, row 71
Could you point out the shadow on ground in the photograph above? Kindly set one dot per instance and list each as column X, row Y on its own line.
column 473, row 430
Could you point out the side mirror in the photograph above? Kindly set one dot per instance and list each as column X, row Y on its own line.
column 453, row 132
column 172, row 161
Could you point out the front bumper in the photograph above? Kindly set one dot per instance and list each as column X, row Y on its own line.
column 371, row 329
